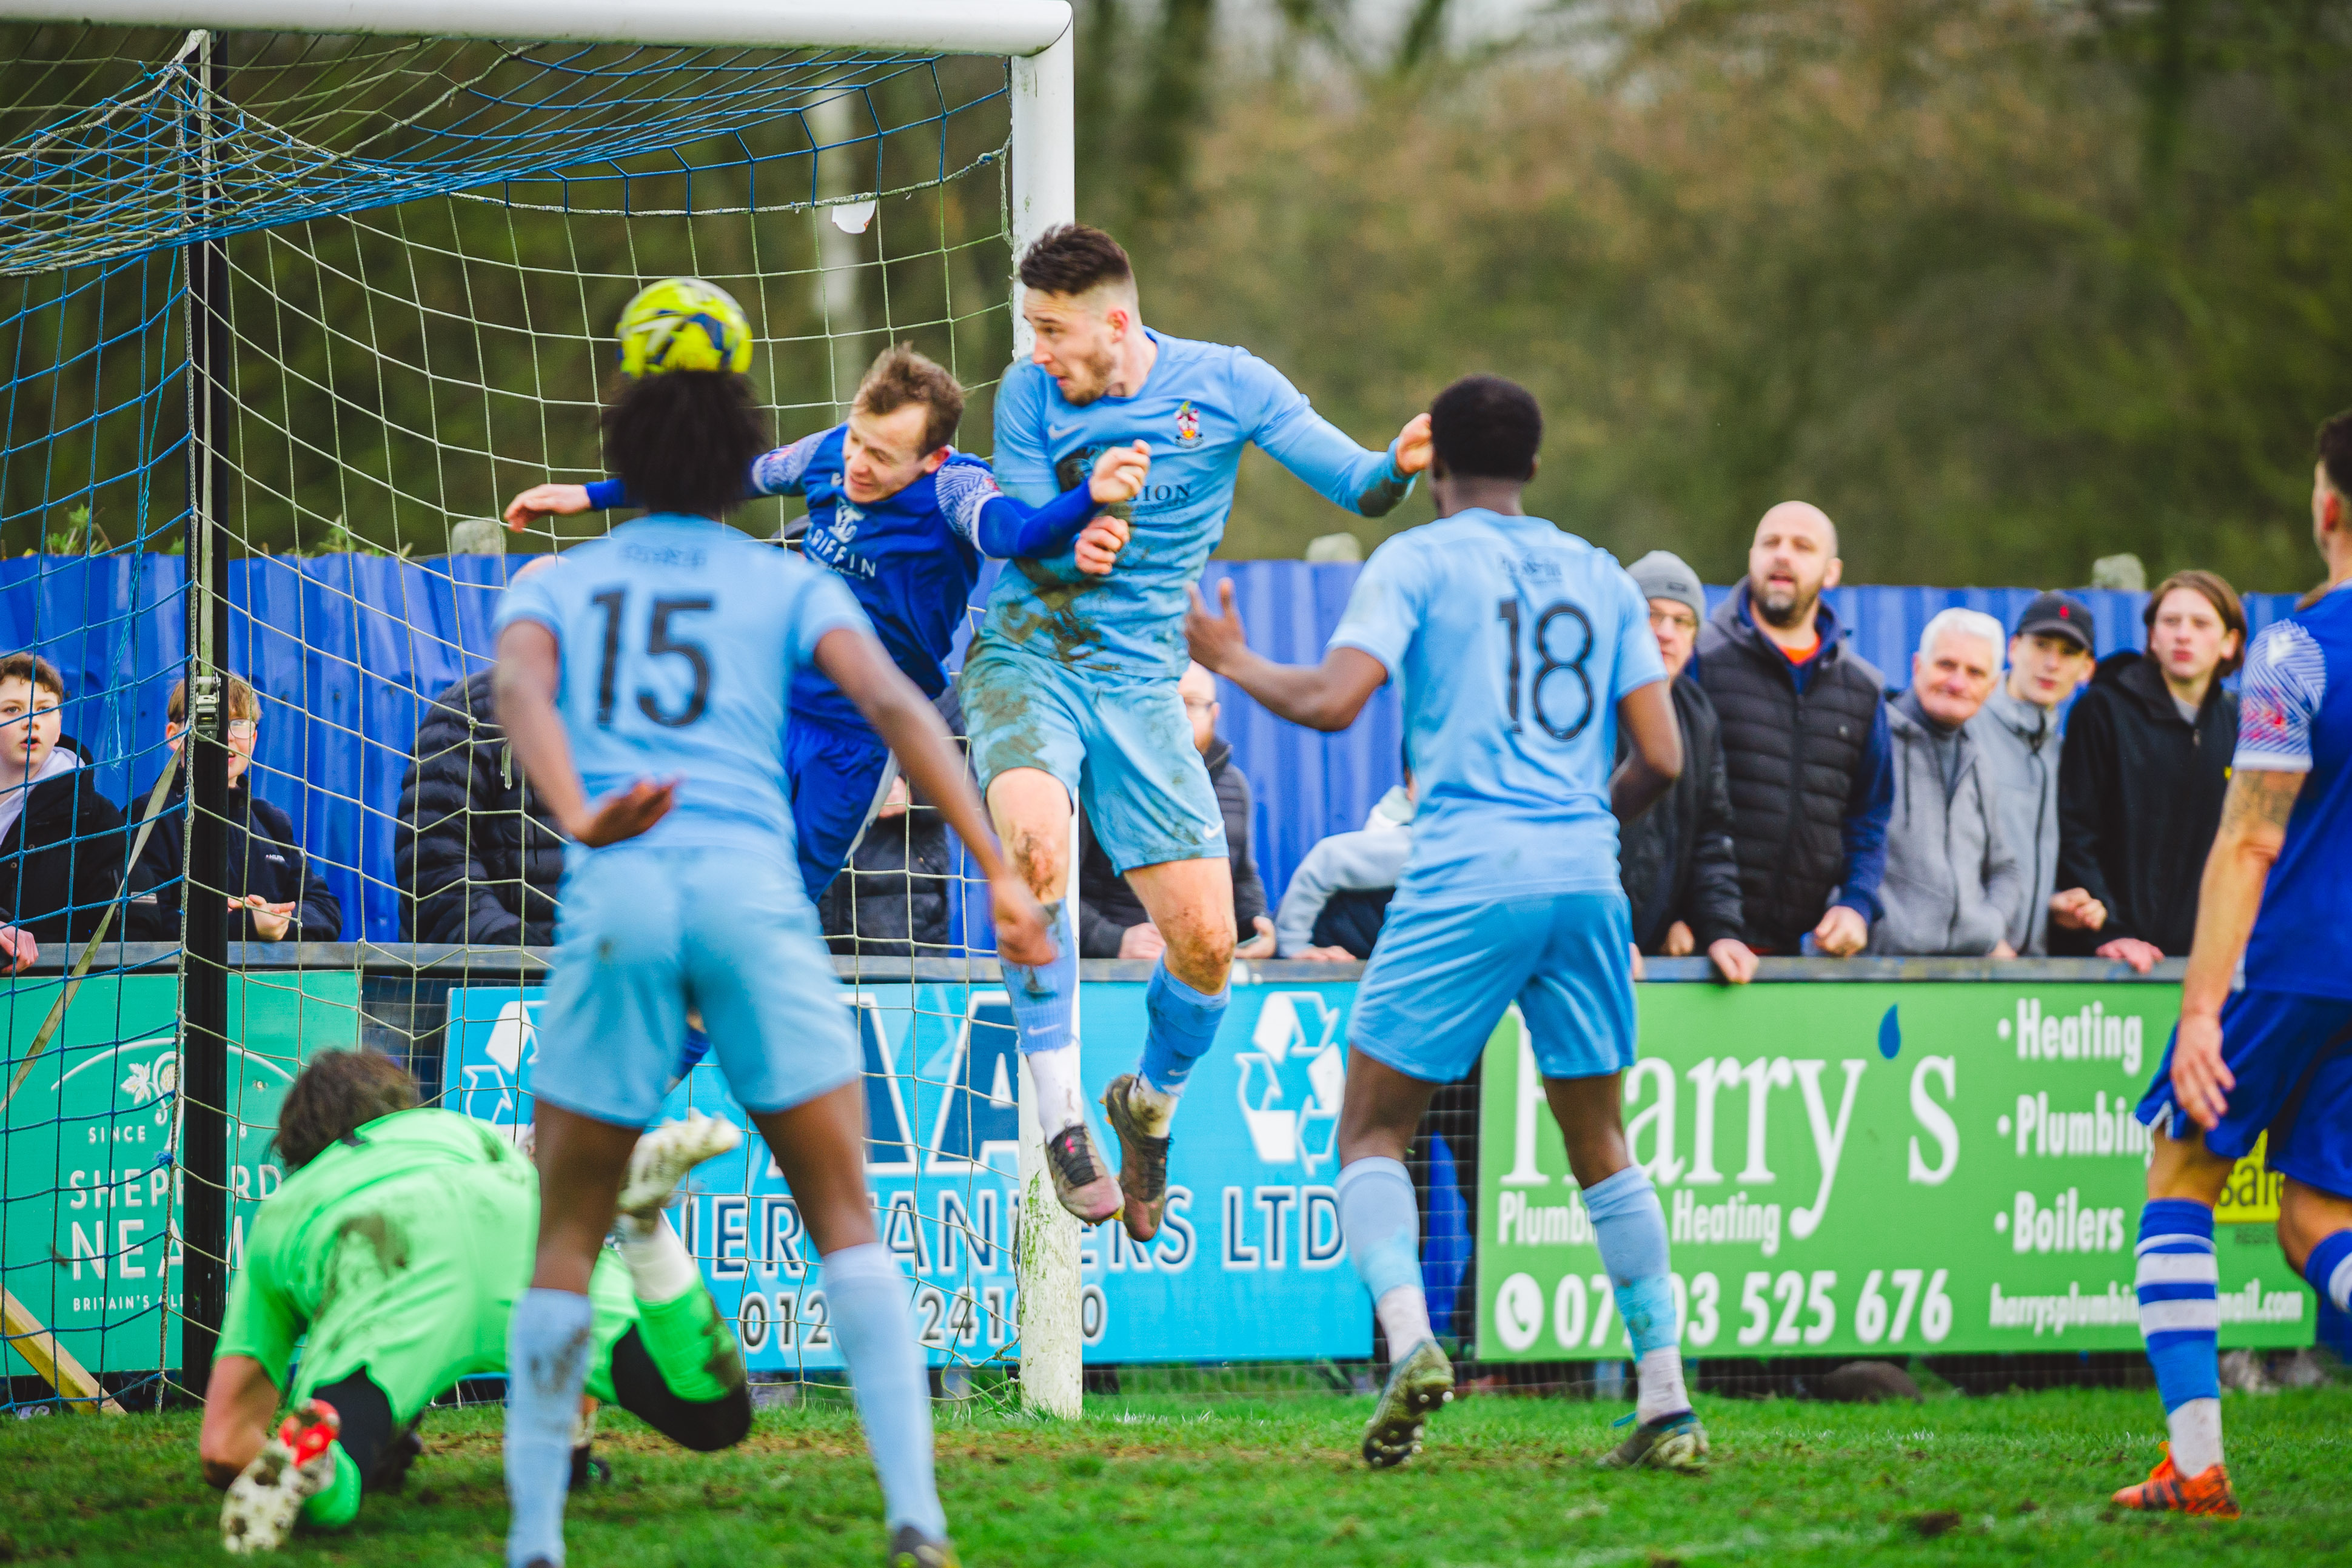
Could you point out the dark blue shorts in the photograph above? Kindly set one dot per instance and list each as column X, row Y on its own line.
column 838, row 781
column 2291, row 1056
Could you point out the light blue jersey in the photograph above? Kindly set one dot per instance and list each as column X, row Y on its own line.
column 1202, row 404
column 1511, row 644
column 679, row 639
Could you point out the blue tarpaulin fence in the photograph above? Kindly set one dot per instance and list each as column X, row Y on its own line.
column 346, row 649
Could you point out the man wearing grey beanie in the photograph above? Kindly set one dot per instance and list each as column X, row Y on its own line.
column 1676, row 860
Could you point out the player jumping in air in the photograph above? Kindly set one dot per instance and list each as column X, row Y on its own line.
column 2275, row 1056
column 1069, row 692
column 905, row 518
column 1517, row 650
column 371, row 1256
column 643, row 683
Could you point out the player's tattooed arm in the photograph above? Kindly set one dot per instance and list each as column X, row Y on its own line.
column 2253, row 829
column 529, row 666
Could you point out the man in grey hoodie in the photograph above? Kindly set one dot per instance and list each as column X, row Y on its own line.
column 2018, row 744
column 1951, row 879
column 1339, row 895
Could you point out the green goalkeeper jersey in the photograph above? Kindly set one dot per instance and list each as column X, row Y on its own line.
column 400, row 1251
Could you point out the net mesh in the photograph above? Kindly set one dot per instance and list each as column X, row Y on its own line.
column 426, row 244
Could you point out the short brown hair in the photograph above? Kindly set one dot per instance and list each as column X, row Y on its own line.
column 2335, row 444
column 1072, row 258
column 244, row 702
column 32, row 668
column 339, row 1093
column 2218, row 594
column 899, row 375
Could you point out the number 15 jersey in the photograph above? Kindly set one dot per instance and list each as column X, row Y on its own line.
column 1510, row 643
column 679, row 636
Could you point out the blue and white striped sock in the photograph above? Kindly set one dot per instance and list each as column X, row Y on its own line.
column 2180, row 1319
column 2329, row 1270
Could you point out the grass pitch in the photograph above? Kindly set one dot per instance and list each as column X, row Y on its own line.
column 1172, row 1483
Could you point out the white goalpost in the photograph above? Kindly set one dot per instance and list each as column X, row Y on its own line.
column 338, row 284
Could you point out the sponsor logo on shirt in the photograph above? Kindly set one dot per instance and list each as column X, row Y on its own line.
column 1187, row 424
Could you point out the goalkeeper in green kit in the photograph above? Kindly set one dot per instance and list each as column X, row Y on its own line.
column 394, row 1254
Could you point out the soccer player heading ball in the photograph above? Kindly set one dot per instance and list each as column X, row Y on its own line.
column 1517, row 650
column 643, row 684
column 904, row 519
column 2275, row 1054
column 1070, row 691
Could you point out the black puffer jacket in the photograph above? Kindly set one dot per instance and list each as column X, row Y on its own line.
column 263, row 858
column 478, row 861
column 892, row 902
column 1795, row 763
column 1676, row 859
column 2139, row 799
column 61, row 860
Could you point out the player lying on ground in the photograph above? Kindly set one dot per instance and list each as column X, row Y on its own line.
column 2275, row 1054
column 374, row 1249
column 1517, row 650
column 905, row 518
column 1069, row 692
column 643, row 682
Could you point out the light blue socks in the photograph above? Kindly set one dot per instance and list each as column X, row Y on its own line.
column 1040, row 995
column 867, row 1295
column 1631, row 1229
column 1180, row 1026
column 548, row 1344
column 1383, row 1226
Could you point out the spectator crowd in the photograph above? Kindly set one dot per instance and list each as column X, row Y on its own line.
column 2017, row 796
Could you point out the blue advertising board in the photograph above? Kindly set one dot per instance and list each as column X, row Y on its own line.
column 1249, row 1264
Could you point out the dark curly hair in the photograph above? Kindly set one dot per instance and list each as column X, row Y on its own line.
column 684, row 440
column 337, row 1094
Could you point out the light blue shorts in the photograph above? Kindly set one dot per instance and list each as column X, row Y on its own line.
column 1122, row 748
column 641, row 936
column 1441, row 978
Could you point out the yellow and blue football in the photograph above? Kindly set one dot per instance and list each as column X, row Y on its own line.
column 683, row 323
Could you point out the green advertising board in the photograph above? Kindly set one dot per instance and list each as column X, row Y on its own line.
column 1856, row 1168
column 89, row 1245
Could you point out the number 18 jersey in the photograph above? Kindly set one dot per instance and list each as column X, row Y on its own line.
column 1510, row 643
column 679, row 637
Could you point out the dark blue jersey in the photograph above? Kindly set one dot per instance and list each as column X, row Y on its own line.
column 911, row 561
column 2295, row 715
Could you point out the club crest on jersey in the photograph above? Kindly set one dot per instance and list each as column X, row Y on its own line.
column 1187, row 424
column 845, row 518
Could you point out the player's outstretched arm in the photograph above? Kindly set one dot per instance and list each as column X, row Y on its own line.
column 1653, row 757
column 530, row 665
column 2253, row 829
column 1326, row 696
column 546, row 500
column 1011, row 529
column 857, row 663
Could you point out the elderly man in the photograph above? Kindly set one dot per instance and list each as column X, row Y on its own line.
column 1676, row 858
column 1952, row 881
column 2018, row 746
column 1805, row 743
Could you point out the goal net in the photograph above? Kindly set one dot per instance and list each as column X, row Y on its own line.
column 285, row 320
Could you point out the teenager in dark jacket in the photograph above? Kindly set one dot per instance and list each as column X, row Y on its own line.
column 1111, row 920
column 61, row 843
column 1676, row 859
column 477, row 858
column 2142, row 778
column 273, row 894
